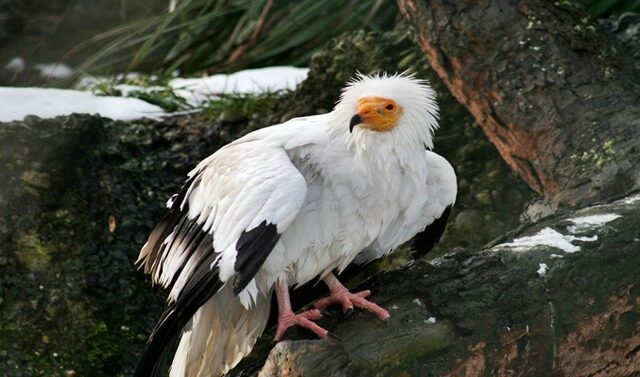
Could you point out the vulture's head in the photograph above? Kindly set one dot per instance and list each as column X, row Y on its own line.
column 388, row 109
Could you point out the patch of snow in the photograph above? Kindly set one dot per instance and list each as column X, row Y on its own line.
column 556, row 256
column 16, row 65
column 394, row 307
column 418, row 302
column 542, row 269
column 548, row 237
column 431, row 320
column 19, row 102
column 545, row 237
column 249, row 81
column 589, row 222
column 54, row 70
column 632, row 199
column 198, row 90
column 47, row 103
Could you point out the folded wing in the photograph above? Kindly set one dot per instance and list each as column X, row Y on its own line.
column 220, row 229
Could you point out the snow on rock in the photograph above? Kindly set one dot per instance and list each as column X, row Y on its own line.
column 545, row 237
column 16, row 103
column 542, row 269
column 580, row 224
column 631, row 199
column 54, row 70
column 259, row 80
column 553, row 238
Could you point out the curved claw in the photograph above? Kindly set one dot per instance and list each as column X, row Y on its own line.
column 348, row 313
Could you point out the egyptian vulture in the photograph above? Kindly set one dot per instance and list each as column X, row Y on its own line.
column 291, row 203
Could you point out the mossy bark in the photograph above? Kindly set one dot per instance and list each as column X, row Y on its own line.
column 556, row 96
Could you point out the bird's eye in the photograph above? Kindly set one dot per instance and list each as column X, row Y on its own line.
column 389, row 107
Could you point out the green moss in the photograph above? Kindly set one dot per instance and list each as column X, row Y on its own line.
column 103, row 348
column 32, row 252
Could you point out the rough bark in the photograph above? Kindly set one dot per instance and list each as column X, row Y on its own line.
column 492, row 312
column 556, row 96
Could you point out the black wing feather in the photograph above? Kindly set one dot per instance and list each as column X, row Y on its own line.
column 253, row 247
column 430, row 236
column 167, row 224
column 202, row 285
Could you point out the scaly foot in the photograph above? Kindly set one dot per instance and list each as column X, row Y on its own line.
column 304, row 319
column 341, row 295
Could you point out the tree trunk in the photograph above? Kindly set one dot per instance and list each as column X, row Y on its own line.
column 520, row 308
column 558, row 98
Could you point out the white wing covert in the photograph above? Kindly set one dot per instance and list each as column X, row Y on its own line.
column 230, row 213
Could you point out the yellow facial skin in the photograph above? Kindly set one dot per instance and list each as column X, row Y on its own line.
column 378, row 114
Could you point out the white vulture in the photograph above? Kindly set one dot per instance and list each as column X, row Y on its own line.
column 285, row 205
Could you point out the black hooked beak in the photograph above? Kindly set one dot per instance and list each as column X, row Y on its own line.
column 355, row 120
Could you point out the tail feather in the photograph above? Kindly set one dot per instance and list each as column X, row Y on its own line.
column 203, row 285
column 221, row 333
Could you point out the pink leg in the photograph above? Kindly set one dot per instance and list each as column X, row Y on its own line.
column 286, row 317
column 341, row 295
